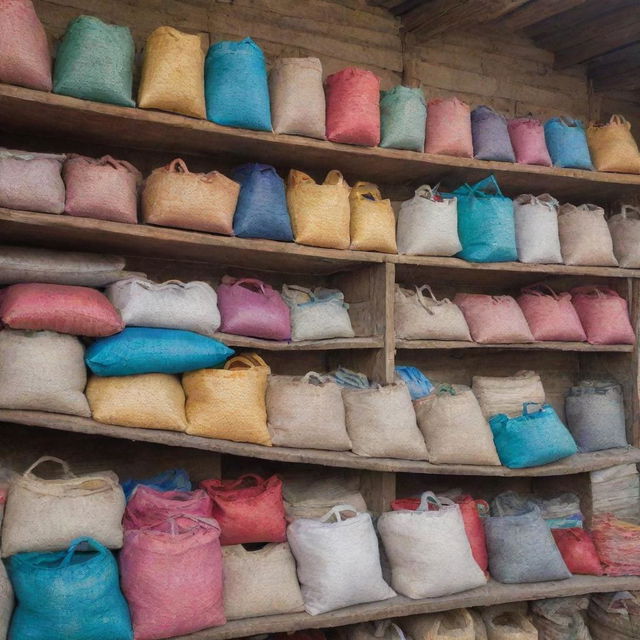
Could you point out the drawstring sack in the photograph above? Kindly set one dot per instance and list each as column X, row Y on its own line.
column 236, row 86
column 537, row 236
column 373, row 223
column 498, row 394
column 403, row 117
column 418, row 384
column 491, row 139
column 527, row 138
column 613, row 147
column 625, row 234
column 170, row 480
column 567, row 143
column 449, row 128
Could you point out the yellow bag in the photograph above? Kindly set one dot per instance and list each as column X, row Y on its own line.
column 229, row 403
column 612, row 146
column 149, row 401
column 175, row 197
column 173, row 73
column 373, row 223
column 319, row 212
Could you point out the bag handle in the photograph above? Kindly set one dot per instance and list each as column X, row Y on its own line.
column 449, row 389
column 245, row 361
column 252, row 282
column 177, row 166
column 294, row 287
column 422, row 301
column 334, row 177
column 628, row 210
column 321, row 378
column 483, row 187
column 119, row 164
column 426, row 191
column 362, row 189
column 243, row 478
column 296, row 178
column 337, row 512
column 534, row 290
column 66, row 470
column 590, row 290
column 617, row 118
column 381, row 626
column 527, row 405
column 439, row 501
column 73, row 547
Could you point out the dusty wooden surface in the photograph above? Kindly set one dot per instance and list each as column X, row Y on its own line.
column 543, row 346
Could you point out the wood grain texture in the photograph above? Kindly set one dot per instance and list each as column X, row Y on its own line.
column 541, row 346
column 373, row 342
column 536, row 11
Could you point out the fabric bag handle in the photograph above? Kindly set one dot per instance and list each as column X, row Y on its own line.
column 119, row 164
column 447, row 389
column 422, row 301
column 314, row 375
column 177, row 166
column 334, row 177
column 629, row 211
column 526, row 406
column 66, row 470
column 617, row 118
column 286, row 288
column 245, row 361
column 591, row 290
column 73, row 547
column 252, row 282
column 337, row 512
column 439, row 501
column 296, row 178
column 243, row 478
column 487, row 187
column 427, row 192
column 535, row 290
column 381, row 627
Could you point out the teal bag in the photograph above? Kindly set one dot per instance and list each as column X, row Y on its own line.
column 403, row 118
column 95, row 62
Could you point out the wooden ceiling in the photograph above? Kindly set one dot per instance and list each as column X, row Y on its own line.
column 604, row 34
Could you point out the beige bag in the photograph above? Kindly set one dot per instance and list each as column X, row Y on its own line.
column 6, row 602
column 175, row 197
column 584, row 236
column 612, row 146
column 454, row 428
column 319, row 213
column 373, row 222
column 42, row 371
column 508, row 625
column 507, row 394
column 150, row 401
column 421, row 318
column 307, row 413
column 478, row 625
column 382, row 423
column 376, row 630
column 456, row 624
column 625, row 234
column 46, row 515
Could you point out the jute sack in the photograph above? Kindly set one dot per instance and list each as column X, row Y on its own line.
column 456, row 624
column 508, row 625
column 420, row 318
column 382, row 423
column 613, row 147
column 45, row 515
column 261, row 582
column 151, row 401
column 625, row 234
column 306, row 412
column 497, row 394
column 373, row 222
column 42, row 371
column 6, row 602
column 454, row 428
column 537, row 236
column 377, row 630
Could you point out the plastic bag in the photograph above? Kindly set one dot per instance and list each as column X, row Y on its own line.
column 578, row 551
column 618, row 545
column 348, row 379
column 418, row 384
column 506, row 394
column 373, row 223
column 449, row 128
column 491, row 139
column 456, row 624
column 537, row 235
column 170, row 480
column 561, row 511
column 527, row 138
column 567, row 143
column 625, row 234
column 613, row 147
column 403, row 118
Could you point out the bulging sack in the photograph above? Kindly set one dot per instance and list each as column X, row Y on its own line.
column 373, row 223
column 537, row 236
column 297, row 97
column 491, row 139
column 449, row 128
column 578, row 551
column 175, row 197
column 403, row 118
column 625, row 234
column 45, row 515
column 507, row 394
column 457, row 624
column 527, row 138
column 567, row 143
column 613, row 147
column 173, row 73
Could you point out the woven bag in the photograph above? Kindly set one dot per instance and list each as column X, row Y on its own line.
column 625, row 234
column 613, row 147
column 456, row 624
column 537, row 236
column 449, row 128
column 567, row 143
column 6, row 602
column 508, row 625
column 507, row 394
column 373, row 223
column 527, row 138
column 403, row 118
column 491, row 139
column 376, row 630
column 578, row 551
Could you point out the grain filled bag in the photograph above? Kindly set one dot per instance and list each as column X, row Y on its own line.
column 95, row 61
column 625, row 234
column 418, row 384
column 428, row 551
column 567, row 143
column 307, row 413
column 45, row 515
column 249, row 509
column 169, row 480
column 175, row 197
column 418, row 317
column 578, row 551
column 262, row 582
column 171, row 575
column 101, row 188
column 506, row 394
column 42, row 371
column 456, row 624
column 353, row 110
column 381, row 422
column 373, row 223
column 454, row 428
column 527, row 138
column 504, row 624
column 491, row 139
column 151, row 401
column 613, row 147
column 31, row 181
column 585, row 238
column 561, row 618
column 614, row 616
column 338, row 562
column 173, row 73
column 190, row 306
column 6, row 602
column 320, row 213
column 297, row 97
column 449, row 128
column 375, row 630
column 403, row 117
column 537, row 236
column 24, row 51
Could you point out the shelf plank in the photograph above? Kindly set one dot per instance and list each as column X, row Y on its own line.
column 531, row 346
column 369, row 342
column 578, row 463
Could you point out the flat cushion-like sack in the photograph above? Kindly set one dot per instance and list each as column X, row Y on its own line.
column 373, row 223
column 449, row 128
column 527, row 138
column 506, row 394
column 613, row 147
column 537, row 236
column 491, row 139
column 578, row 551
column 625, row 234
column 567, row 143
column 403, row 117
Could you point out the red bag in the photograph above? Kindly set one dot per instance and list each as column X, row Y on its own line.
column 353, row 107
column 80, row 311
column 578, row 551
column 249, row 509
column 449, row 128
column 618, row 545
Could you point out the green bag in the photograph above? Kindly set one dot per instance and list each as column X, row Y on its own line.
column 95, row 62
column 403, row 116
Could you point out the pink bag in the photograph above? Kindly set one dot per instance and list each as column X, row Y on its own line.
column 149, row 506
column 550, row 316
column 449, row 128
column 493, row 319
column 171, row 576
column 80, row 311
column 604, row 315
column 250, row 307
column 104, row 188
column 527, row 139
column 24, row 51
column 353, row 107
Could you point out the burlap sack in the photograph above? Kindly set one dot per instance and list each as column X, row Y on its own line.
column 497, row 394
column 6, row 602
column 261, row 582
column 456, row 624
column 537, row 236
column 508, row 625
column 625, row 234
column 373, row 222
column 613, row 147
column 376, row 630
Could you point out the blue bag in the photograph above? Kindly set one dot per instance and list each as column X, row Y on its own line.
column 144, row 350
column 170, row 480
column 486, row 223
column 236, row 87
column 349, row 379
column 403, row 117
column 419, row 385
column 567, row 143
column 491, row 140
column 262, row 210
column 531, row 439
column 68, row 595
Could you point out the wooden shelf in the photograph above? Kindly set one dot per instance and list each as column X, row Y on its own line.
column 534, row 346
column 578, row 463
column 369, row 342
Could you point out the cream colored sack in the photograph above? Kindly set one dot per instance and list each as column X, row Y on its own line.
column 508, row 625
column 46, row 515
column 457, row 624
column 6, row 602
column 625, row 234
column 420, row 318
column 454, row 428
column 260, row 583
column 376, row 630
column 373, row 222
column 149, row 401
column 613, row 147
column 497, row 394
column 584, row 236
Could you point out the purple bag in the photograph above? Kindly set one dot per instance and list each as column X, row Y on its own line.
column 527, row 138
column 491, row 139
column 250, row 307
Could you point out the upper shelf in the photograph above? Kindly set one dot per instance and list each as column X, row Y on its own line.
column 28, row 111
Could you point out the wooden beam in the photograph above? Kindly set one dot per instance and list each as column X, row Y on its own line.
column 625, row 80
column 536, row 11
column 615, row 62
